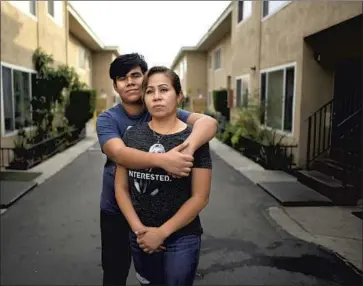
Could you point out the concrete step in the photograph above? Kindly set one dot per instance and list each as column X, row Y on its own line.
column 329, row 187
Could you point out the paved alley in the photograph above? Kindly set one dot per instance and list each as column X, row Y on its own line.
column 51, row 236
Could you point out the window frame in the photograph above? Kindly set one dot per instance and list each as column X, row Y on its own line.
column 54, row 17
column 5, row 133
column 26, row 12
column 273, row 69
column 218, row 50
column 82, row 57
column 241, row 78
column 269, row 14
column 243, row 17
column 34, row 4
column 49, row 14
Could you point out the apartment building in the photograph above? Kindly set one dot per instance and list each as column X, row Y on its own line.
column 289, row 61
column 294, row 57
column 205, row 68
column 58, row 29
column 194, row 85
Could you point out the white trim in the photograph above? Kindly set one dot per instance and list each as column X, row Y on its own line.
column 16, row 131
column 283, row 98
column 27, row 13
column 242, row 76
column 83, row 23
column 19, row 68
column 279, row 68
column 274, row 12
column 12, row 67
column 216, row 24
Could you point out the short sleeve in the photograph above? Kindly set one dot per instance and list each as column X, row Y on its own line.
column 183, row 115
column 202, row 157
column 106, row 129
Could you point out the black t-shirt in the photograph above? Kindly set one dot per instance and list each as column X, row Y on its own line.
column 155, row 195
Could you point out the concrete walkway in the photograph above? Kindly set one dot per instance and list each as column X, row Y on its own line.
column 332, row 227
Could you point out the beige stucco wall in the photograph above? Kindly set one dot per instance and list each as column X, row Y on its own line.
column 217, row 79
column 52, row 36
column 196, row 76
column 18, row 36
column 21, row 34
column 100, row 75
column 74, row 46
column 279, row 40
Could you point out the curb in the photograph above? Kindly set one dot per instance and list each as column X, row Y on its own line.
column 63, row 159
column 19, row 196
column 294, row 228
column 53, row 165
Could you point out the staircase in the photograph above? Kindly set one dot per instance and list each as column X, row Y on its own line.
column 334, row 154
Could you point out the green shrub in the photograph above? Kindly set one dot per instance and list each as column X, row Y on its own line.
column 81, row 105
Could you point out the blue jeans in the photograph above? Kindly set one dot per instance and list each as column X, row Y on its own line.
column 176, row 266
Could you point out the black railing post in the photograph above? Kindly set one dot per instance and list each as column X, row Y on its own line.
column 308, row 147
column 314, row 139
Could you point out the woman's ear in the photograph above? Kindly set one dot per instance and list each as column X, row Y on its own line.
column 180, row 98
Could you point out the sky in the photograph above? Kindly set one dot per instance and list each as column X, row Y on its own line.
column 156, row 29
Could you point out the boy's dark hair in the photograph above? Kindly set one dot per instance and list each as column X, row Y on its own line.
column 175, row 80
column 124, row 63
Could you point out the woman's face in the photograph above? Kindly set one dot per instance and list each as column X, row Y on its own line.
column 160, row 97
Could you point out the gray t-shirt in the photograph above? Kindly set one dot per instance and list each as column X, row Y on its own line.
column 155, row 195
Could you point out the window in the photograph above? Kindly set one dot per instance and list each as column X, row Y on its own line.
column 32, row 7
column 185, row 65
column 51, row 8
column 242, row 89
column 181, row 74
column 217, row 59
column 83, row 58
column 28, row 7
column 270, row 7
column 16, row 85
column 277, row 98
column 55, row 10
column 244, row 10
column 209, row 99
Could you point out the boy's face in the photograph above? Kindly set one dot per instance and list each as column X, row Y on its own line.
column 129, row 87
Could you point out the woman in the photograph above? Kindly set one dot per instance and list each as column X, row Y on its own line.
column 162, row 211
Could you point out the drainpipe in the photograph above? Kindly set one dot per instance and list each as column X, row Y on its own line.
column 66, row 25
column 37, row 4
column 259, row 38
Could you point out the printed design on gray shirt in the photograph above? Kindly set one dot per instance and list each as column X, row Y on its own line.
column 148, row 182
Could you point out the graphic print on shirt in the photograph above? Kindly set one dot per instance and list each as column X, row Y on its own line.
column 148, row 182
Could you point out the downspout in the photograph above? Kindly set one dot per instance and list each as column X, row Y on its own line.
column 258, row 64
column 38, row 22
column 66, row 28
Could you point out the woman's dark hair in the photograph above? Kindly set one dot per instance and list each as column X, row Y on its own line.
column 124, row 63
column 175, row 80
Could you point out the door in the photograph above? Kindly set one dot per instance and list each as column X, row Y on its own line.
column 347, row 102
